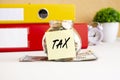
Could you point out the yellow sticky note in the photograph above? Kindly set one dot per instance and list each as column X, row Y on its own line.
column 60, row 44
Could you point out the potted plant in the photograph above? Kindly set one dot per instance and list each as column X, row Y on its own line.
column 109, row 18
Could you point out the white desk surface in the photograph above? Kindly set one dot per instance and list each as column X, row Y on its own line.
column 107, row 67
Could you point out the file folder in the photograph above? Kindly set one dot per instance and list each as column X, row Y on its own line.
column 28, row 37
column 22, row 26
column 35, row 13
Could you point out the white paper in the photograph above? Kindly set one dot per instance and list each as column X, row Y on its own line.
column 13, row 37
column 11, row 14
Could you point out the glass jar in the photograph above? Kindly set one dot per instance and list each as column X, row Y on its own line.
column 57, row 25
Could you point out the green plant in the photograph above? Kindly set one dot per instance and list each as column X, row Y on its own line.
column 107, row 15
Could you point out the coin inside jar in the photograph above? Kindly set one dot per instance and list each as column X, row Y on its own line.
column 57, row 25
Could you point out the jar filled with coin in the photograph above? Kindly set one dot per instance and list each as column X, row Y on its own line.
column 58, row 25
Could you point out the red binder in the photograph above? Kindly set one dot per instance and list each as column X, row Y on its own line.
column 82, row 29
column 35, row 35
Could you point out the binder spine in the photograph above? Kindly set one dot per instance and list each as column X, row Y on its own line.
column 35, row 13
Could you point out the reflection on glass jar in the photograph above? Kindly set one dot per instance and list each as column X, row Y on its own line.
column 57, row 25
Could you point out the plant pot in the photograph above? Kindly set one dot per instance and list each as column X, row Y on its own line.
column 110, row 31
